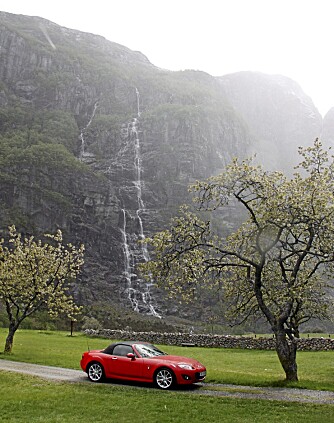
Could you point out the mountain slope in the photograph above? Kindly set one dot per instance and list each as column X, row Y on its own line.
column 278, row 112
column 99, row 142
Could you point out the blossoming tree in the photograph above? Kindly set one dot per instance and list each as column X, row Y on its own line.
column 34, row 275
column 276, row 264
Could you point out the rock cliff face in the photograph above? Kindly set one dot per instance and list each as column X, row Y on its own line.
column 99, row 142
column 279, row 114
column 328, row 128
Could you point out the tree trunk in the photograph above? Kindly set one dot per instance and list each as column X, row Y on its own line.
column 286, row 350
column 10, row 338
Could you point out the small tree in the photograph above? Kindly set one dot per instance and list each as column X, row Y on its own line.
column 34, row 275
column 275, row 264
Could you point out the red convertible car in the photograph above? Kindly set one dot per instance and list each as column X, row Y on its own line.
column 141, row 362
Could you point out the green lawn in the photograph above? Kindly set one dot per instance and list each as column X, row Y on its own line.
column 28, row 399
column 243, row 367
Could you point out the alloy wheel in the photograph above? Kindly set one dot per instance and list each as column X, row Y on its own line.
column 164, row 378
column 95, row 372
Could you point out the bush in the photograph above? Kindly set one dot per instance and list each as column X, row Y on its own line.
column 90, row 323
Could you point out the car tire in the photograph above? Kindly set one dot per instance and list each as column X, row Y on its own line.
column 164, row 378
column 95, row 372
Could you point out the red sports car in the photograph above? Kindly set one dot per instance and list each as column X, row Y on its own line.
column 141, row 362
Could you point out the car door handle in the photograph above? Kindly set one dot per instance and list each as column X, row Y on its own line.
column 114, row 358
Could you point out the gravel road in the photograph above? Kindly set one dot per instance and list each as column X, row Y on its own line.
column 223, row 390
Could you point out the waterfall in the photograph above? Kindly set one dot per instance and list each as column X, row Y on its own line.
column 82, row 138
column 127, row 266
column 138, row 102
column 138, row 291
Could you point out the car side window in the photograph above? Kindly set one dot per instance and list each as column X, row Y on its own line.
column 122, row 350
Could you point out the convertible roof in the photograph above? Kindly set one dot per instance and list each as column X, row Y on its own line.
column 110, row 347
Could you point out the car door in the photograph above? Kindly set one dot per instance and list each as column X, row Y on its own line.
column 121, row 366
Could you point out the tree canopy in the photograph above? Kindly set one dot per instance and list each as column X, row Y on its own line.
column 276, row 264
column 35, row 275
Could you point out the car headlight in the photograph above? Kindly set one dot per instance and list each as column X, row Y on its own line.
column 185, row 366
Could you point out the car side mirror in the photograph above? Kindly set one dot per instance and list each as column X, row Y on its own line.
column 131, row 355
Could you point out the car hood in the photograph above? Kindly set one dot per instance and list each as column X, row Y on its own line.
column 176, row 359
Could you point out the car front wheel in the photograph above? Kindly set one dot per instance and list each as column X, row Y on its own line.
column 164, row 378
column 95, row 372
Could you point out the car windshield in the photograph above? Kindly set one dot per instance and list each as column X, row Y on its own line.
column 148, row 350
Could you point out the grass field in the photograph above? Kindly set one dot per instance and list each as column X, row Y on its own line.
column 24, row 398
column 236, row 366
column 27, row 399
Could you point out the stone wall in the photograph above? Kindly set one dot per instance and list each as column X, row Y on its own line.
column 208, row 340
